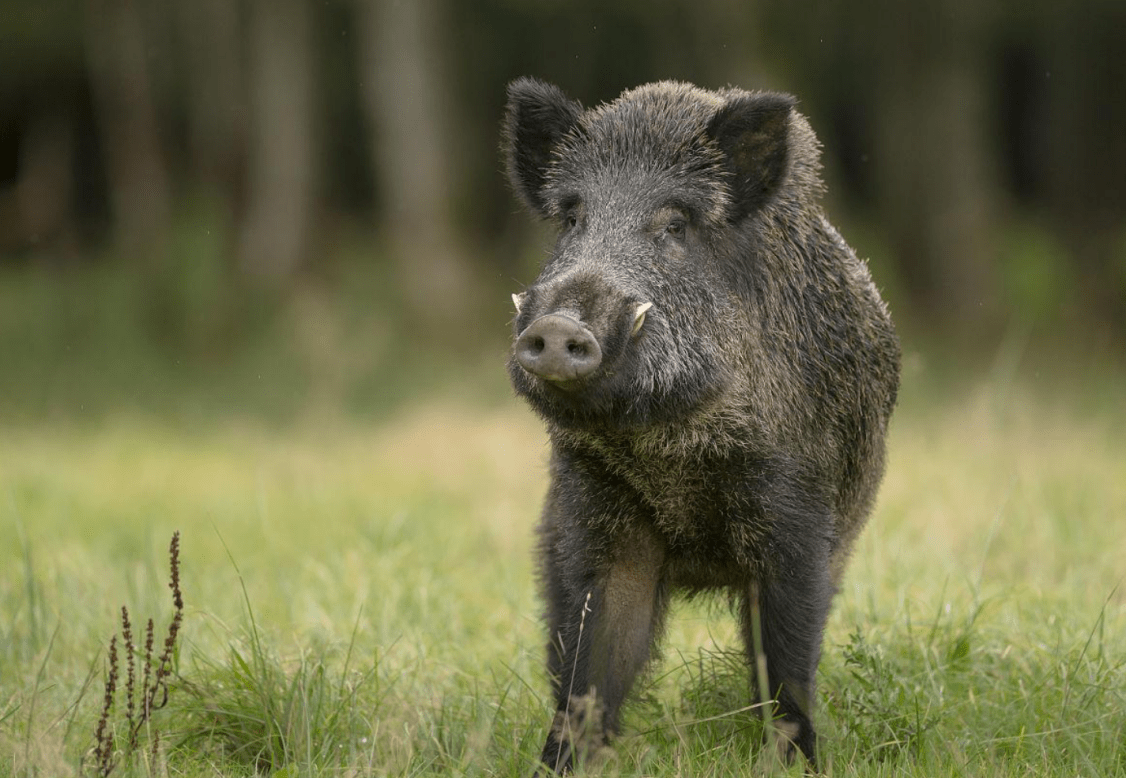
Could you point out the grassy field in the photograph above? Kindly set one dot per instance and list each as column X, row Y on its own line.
column 359, row 598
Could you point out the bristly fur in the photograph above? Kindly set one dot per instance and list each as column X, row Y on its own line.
column 735, row 440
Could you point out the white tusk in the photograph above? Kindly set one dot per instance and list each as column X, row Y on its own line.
column 517, row 299
column 639, row 317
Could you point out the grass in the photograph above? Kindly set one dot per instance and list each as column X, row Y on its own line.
column 359, row 597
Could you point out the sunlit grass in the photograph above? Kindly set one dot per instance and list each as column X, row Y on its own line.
column 360, row 598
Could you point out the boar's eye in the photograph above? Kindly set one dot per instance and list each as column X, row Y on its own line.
column 676, row 228
column 571, row 208
column 671, row 222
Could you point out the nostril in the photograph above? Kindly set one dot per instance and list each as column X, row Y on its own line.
column 557, row 348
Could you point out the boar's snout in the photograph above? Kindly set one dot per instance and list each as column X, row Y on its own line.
column 559, row 349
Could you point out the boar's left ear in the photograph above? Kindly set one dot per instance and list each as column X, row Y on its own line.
column 537, row 118
column 753, row 132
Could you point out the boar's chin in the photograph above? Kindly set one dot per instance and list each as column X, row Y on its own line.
column 605, row 401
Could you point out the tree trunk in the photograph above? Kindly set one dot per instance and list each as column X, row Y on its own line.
column 935, row 178
column 275, row 237
column 45, row 188
column 1084, row 160
column 126, row 116
column 212, row 44
column 408, row 114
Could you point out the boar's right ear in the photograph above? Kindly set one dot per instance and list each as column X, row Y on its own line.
column 537, row 118
column 753, row 132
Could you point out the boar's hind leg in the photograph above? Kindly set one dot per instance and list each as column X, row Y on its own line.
column 602, row 631
column 785, row 616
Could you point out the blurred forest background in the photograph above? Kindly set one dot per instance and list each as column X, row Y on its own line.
column 261, row 204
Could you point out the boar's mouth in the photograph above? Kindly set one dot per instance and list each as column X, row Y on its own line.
column 563, row 351
column 580, row 370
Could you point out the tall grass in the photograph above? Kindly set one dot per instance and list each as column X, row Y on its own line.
column 359, row 598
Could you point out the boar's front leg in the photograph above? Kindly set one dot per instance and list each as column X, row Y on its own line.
column 606, row 603
column 783, row 618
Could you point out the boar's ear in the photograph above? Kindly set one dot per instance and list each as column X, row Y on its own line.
column 752, row 131
column 536, row 119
